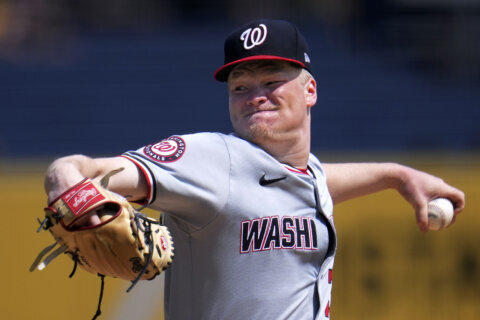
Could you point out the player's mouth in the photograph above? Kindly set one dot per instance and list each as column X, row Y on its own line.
column 259, row 111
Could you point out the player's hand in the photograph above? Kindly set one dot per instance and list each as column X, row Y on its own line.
column 61, row 176
column 419, row 188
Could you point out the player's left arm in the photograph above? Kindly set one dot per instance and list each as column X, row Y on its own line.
column 351, row 180
column 65, row 172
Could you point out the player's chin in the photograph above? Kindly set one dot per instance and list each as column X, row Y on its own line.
column 259, row 133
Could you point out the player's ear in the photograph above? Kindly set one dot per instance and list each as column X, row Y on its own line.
column 311, row 92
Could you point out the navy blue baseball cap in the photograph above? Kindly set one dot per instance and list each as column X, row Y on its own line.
column 264, row 39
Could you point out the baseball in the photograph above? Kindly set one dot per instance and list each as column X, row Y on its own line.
column 440, row 213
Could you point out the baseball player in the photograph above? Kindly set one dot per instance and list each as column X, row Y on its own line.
column 251, row 213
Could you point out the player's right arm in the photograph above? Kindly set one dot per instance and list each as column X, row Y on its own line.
column 351, row 180
column 65, row 172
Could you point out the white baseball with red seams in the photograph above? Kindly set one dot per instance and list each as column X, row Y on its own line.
column 440, row 213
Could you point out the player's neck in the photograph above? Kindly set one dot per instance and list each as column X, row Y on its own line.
column 295, row 158
column 294, row 152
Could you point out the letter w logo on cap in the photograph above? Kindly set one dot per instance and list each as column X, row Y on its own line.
column 254, row 36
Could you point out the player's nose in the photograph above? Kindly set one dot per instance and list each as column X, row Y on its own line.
column 256, row 97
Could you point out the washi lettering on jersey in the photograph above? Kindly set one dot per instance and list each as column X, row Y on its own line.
column 271, row 233
column 167, row 150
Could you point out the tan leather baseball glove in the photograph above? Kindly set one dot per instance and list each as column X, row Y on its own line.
column 104, row 234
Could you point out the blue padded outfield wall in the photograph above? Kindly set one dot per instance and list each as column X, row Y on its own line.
column 102, row 94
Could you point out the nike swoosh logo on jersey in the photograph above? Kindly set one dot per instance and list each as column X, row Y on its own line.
column 265, row 182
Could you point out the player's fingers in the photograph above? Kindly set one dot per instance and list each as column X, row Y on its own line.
column 422, row 218
column 456, row 196
column 88, row 220
column 458, row 200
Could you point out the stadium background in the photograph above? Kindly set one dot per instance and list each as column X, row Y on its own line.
column 399, row 80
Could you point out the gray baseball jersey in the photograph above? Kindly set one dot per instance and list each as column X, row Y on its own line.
column 254, row 238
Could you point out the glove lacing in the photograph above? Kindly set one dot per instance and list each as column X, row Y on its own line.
column 145, row 226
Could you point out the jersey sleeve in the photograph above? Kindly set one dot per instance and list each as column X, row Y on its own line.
column 188, row 176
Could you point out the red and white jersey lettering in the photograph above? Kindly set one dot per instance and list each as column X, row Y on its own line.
column 278, row 233
column 254, row 239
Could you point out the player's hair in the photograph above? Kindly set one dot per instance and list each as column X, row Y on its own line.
column 305, row 76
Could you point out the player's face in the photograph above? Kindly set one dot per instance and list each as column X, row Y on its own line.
column 270, row 101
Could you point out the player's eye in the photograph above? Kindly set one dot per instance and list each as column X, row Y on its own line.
column 273, row 83
column 239, row 89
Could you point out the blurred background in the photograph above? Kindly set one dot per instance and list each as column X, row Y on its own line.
column 399, row 80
